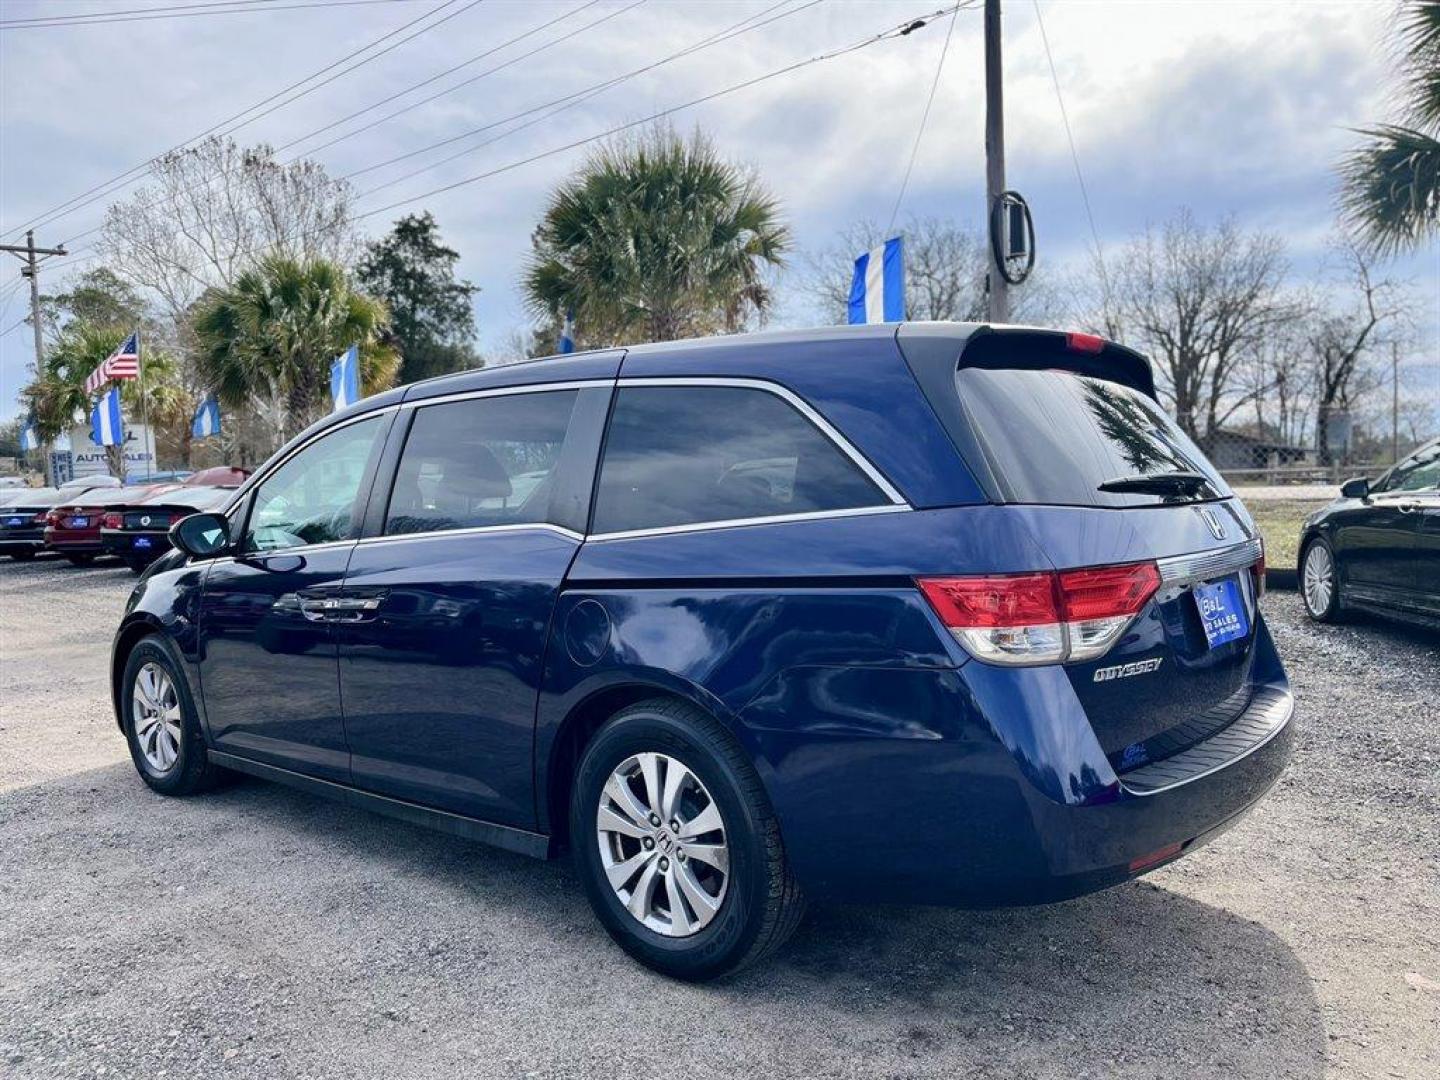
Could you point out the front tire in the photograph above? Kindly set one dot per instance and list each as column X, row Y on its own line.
column 161, row 724
column 1320, row 582
column 677, row 845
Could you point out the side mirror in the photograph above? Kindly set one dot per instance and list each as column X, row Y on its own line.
column 1358, row 488
column 201, row 535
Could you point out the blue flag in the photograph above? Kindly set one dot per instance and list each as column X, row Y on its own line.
column 877, row 291
column 207, row 419
column 567, row 333
column 105, row 426
column 29, row 437
column 345, row 378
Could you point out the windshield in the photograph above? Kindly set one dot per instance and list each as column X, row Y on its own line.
column 1056, row 437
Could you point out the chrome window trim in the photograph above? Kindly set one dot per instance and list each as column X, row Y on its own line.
column 431, row 534
column 800, row 405
column 739, row 523
column 505, row 391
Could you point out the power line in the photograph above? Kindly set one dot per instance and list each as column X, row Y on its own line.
column 129, row 175
column 924, row 117
column 1074, row 157
column 473, row 79
column 325, row 127
column 265, row 6
column 884, row 35
column 565, row 101
column 661, row 114
column 133, row 11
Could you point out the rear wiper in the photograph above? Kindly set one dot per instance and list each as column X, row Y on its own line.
column 1165, row 483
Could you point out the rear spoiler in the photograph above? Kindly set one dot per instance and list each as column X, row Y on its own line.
column 950, row 346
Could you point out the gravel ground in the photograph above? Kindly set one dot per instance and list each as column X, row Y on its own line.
column 260, row 932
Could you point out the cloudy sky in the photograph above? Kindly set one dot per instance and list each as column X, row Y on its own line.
column 1227, row 108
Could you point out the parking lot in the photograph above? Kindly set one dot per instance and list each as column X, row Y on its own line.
column 257, row 931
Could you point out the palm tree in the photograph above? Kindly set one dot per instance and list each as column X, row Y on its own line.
column 656, row 238
column 269, row 338
column 1390, row 186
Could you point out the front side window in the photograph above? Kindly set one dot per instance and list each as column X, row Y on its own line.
column 1420, row 472
column 312, row 498
column 481, row 462
column 687, row 455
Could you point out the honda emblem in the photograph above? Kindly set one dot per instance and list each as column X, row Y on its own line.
column 1217, row 530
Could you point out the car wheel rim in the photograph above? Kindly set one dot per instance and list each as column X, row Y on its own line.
column 1319, row 580
column 156, row 715
column 663, row 844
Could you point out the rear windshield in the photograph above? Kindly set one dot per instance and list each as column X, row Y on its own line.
column 1056, row 437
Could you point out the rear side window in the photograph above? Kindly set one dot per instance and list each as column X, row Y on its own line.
column 480, row 462
column 687, row 455
column 1054, row 437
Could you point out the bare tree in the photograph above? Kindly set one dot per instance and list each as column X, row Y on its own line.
column 1341, row 336
column 945, row 265
column 215, row 210
column 1199, row 300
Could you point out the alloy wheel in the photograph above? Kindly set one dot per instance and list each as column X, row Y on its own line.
column 1319, row 579
column 155, row 713
column 662, row 844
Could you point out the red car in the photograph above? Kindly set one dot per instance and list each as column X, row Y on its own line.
column 73, row 528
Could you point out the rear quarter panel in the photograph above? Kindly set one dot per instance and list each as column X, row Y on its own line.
column 721, row 617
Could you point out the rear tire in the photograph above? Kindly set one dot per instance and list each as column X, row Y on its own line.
column 81, row 560
column 161, row 724
column 1320, row 581
column 747, row 911
column 23, row 554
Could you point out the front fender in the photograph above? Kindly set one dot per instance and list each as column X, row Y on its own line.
column 165, row 601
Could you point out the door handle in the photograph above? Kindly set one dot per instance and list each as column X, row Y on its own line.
column 340, row 608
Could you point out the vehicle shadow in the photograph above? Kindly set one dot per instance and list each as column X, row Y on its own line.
column 351, row 917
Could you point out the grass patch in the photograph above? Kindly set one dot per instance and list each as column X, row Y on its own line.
column 1279, row 523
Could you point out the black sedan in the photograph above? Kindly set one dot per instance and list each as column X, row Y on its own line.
column 1377, row 547
column 138, row 534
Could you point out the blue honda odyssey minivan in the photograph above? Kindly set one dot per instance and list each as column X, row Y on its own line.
column 927, row 613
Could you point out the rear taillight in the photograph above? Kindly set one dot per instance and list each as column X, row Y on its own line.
column 111, row 521
column 51, row 518
column 1259, row 571
column 1042, row 618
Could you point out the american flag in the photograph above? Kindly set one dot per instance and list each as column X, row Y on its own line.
column 123, row 363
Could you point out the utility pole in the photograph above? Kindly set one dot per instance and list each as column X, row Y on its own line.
column 999, row 291
column 1394, row 402
column 29, row 254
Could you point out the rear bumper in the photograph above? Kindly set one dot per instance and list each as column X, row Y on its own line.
column 17, row 539
column 79, row 543
column 990, row 788
column 122, row 544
